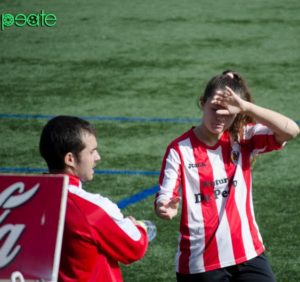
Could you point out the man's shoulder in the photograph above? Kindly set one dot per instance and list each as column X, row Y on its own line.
column 91, row 202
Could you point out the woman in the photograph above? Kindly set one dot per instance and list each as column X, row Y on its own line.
column 208, row 168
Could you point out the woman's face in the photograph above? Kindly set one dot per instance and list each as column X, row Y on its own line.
column 214, row 122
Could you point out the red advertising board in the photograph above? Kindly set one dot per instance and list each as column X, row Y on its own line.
column 32, row 211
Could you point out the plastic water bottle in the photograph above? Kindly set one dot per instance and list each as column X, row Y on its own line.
column 151, row 229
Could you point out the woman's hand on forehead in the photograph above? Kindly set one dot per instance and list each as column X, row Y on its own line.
column 229, row 102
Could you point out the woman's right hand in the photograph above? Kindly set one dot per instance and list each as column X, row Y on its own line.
column 230, row 102
column 167, row 209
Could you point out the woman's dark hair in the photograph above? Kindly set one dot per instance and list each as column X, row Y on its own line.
column 238, row 85
column 61, row 135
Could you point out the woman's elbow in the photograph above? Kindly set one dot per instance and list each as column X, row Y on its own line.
column 294, row 132
column 297, row 131
column 291, row 132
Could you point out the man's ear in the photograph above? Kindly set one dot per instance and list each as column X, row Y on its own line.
column 70, row 160
column 201, row 103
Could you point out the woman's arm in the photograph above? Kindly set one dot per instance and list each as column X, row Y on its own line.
column 167, row 198
column 283, row 127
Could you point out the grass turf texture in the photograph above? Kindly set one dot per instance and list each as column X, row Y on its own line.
column 152, row 59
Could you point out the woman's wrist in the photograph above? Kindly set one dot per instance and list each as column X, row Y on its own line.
column 247, row 108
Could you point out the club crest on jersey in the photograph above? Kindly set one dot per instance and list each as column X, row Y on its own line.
column 235, row 153
column 235, row 156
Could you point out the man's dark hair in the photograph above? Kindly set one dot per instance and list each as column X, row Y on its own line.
column 61, row 135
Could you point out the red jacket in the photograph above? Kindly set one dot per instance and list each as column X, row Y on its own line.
column 97, row 237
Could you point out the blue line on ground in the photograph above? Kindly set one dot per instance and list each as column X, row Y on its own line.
column 137, row 197
column 97, row 171
column 106, row 118
column 25, row 116
column 128, row 172
column 22, row 170
column 122, row 203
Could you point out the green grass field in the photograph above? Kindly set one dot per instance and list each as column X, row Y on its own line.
column 152, row 59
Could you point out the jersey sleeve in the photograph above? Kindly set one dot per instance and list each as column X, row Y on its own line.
column 261, row 139
column 170, row 176
column 116, row 236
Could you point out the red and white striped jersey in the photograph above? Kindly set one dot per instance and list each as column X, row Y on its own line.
column 97, row 237
column 218, row 226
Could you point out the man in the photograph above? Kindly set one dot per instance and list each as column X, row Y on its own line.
column 96, row 235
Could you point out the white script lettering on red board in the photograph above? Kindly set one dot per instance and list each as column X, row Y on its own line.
column 10, row 198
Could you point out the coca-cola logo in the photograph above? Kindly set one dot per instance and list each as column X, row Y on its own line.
column 10, row 198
